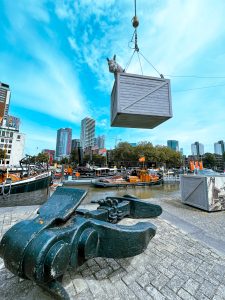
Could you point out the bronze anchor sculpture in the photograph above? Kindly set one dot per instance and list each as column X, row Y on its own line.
column 62, row 234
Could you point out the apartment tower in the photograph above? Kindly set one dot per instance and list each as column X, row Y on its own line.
column 87, row 134
column 4, row 101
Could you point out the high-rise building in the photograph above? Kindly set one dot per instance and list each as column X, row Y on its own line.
column 219, row 147
column 100, row 141
column 87, row 134
column 63, row 142
column 11, row 140
column 172, row 144
column 75, row 144
column 4, row 102
column 197, row 149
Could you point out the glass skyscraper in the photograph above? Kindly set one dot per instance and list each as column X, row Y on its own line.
column 219, row 147
column 172, row 144
column 63, row 142
column 197, row 149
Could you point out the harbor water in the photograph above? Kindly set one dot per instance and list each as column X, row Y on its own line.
column 168, row 190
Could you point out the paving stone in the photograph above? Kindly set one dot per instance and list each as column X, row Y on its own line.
column 185, row 295
column 173, row 267
column 170, row 295
column 191, row 286
column 175, row 283
column 154, row 293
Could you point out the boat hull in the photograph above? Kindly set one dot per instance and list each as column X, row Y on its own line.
column 34, row 192
column 125, row 184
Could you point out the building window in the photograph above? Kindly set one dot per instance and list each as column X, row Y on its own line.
column 11, row 134
column 9, row 151
column 3, row 133
column 18, row 137
column 1, row 145
column 10, row 141
column 10, row 146
column 7, row 134
column 2, row 140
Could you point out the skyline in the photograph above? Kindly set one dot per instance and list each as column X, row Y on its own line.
column 53, row 56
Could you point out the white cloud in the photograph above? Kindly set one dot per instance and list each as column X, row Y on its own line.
column 52, row 86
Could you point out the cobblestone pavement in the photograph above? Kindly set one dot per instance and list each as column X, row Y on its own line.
column 174, row 266
column 204, row 226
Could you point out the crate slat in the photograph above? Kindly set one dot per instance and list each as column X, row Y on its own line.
column 140, row 101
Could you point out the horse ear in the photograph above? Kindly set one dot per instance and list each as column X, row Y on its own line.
column 114, row 57
column 107, row 58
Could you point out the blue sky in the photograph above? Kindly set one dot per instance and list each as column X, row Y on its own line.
column 53, row 56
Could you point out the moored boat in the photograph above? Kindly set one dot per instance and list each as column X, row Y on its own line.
column 141, row 179
column 28, row 187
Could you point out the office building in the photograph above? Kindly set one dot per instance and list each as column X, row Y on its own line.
column 87, row 134
column 4, row 102
column 172, row 144
column 75, row 144
column 219, row 147
column 100, row 142
column 12, row 142
column 63, row 143
column 197, row 149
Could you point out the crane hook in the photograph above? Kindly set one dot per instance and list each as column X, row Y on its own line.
column 135, row 22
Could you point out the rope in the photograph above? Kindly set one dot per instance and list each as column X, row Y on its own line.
column 129, row 61
column 195, row 76
column 134, row 40
column 151, row 65
column 140, row 62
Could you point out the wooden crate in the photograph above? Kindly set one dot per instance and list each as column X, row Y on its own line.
column 205, row 192
column 140, row 101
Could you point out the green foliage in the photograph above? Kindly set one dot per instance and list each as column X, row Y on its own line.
column 64, row 161
column 42, row 158
column 126, row 155
column 74, row 158
column 209, row 160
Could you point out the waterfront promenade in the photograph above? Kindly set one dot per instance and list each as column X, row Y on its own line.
column 185, row 260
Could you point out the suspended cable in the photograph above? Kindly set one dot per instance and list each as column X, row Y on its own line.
column 151, row 65
column 195, row 76
column 140, row 62
column 200, row 88
column 129, row 61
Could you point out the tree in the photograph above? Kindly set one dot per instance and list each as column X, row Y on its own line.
column 42, row 158
column 74, row 157
column 209, row 160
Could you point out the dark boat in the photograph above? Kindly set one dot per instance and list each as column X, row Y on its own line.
column 27, row 186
